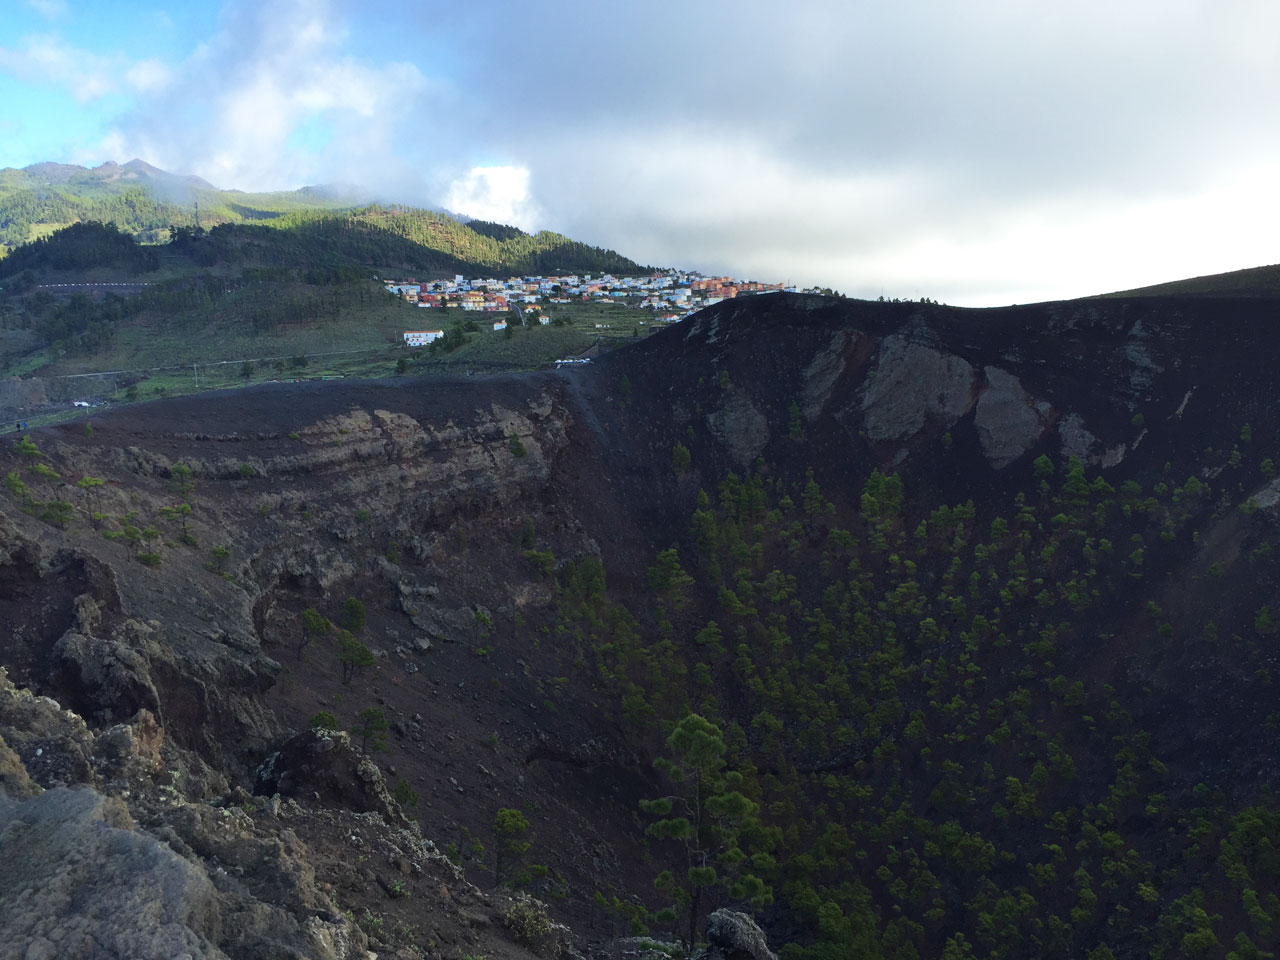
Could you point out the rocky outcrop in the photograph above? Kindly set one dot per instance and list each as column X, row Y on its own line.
column 740, row 427
column 1077, row 441
column 1009, row 421
column 912, row 384
column 15, row 782
column 324, row 766
column 824, row 372
column 104, row 678
column 732, row 935
column 640, row 948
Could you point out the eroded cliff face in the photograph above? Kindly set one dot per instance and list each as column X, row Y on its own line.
column 302, row 510
column 146, row 650
column 1091, row 379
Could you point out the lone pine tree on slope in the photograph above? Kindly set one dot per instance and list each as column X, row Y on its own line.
column 713, row 819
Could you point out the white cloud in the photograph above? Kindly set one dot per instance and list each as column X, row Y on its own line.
column 48, row 59
column 148, row 76
column 980, row 152
column 50, row 9
column 497, row 193
column 234, row 110
column 965, row 152
column 729, row 204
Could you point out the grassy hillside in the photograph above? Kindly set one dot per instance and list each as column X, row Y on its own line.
column 182, row 328
column 1254, row 282
column 142, row 200
column 318, row 225
column 90, row 298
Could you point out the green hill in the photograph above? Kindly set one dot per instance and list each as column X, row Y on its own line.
column 141, row 199
column 313, row 226
column 90, row 300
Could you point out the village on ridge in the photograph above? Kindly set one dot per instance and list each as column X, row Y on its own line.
column 672, row 295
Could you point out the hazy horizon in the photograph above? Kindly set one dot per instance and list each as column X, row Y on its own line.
column 979, row 155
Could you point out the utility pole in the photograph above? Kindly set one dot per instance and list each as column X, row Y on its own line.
column 196, row 371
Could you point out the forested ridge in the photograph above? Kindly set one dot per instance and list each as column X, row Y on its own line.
column 142, row 201
column 928, row 756
column 317, row 226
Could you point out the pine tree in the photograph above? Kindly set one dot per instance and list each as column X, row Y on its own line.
column 710, row 815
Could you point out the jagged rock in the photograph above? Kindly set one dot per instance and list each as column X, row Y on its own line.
column 824, row 371
column 322, row 567
column 643, row 948
column 79, row 882
column 55, row 746
column 14, row 779
column 131, row 750
column 734, row 936
column 911, row 384
column 325, row 764
column 447, row 625
column 1142, row 368
column 1078, row 442
column 104, row 677
column 581, row 753
column 1075, row 438
column 1009, row 421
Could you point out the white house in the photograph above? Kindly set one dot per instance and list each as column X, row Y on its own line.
column 499, row 324
column 420, row 338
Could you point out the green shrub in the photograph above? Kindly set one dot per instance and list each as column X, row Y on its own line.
column 353, row 615
column 527, row 921
column 405, row 795
column 323, row 720
column 353, row 655
column 544, row 560
column 57, row 513
column 15, row 485
column 680, row 458
column 372, row 729
column 26, row 447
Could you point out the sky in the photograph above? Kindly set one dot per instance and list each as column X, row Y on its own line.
column 977, row 153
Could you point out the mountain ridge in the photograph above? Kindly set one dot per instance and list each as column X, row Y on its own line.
column 147, row 202
column 980, row 603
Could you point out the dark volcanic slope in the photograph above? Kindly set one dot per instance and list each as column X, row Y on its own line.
column 880, row 384
column 467, row 516
column 960, row 403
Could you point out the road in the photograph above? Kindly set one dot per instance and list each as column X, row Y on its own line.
column 90, row 286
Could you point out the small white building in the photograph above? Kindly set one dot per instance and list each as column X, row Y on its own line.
column 499, row 324
column 420, row 338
